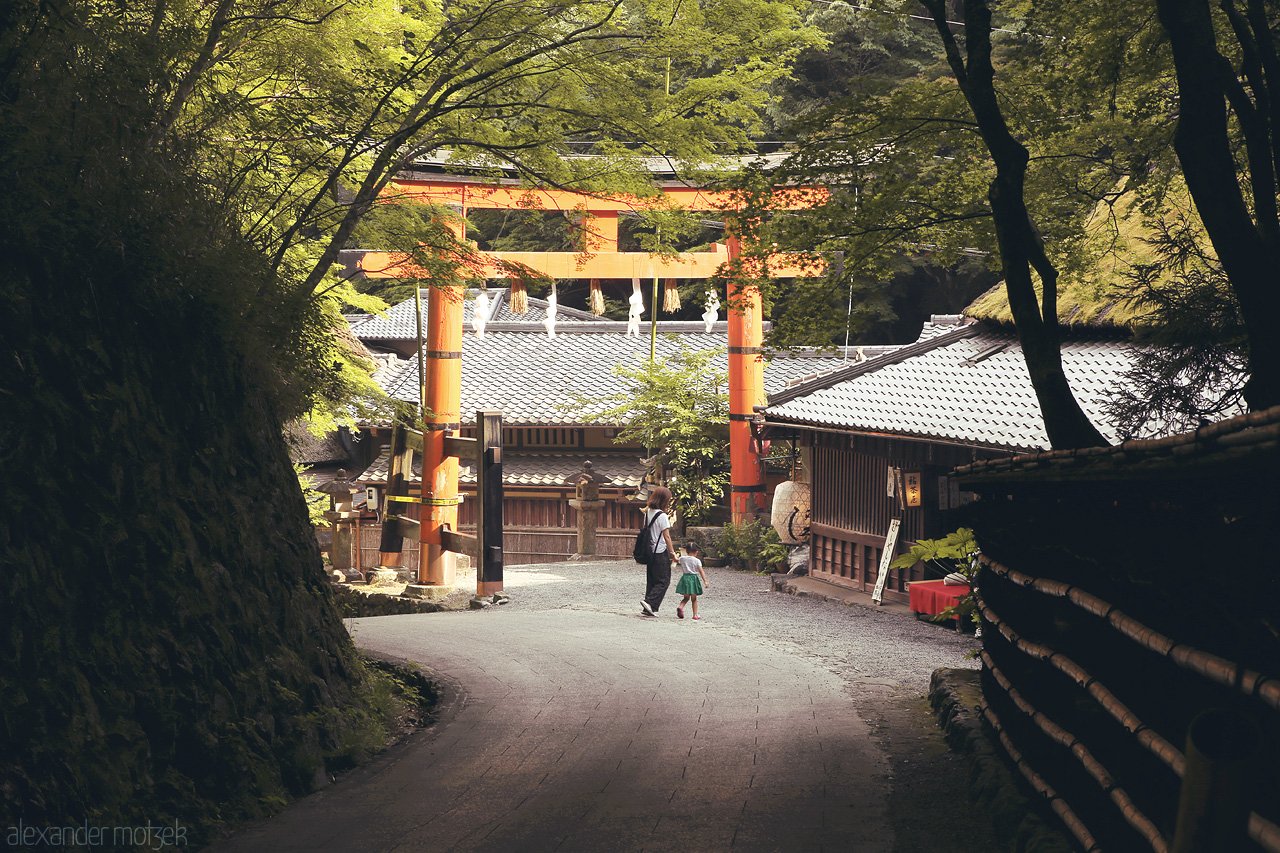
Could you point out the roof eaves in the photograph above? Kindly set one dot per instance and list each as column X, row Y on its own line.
column 776, row 420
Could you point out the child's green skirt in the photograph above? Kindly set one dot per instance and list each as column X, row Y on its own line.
column 689, row 585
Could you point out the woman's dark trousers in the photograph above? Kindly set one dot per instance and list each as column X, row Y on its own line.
column 659, row 578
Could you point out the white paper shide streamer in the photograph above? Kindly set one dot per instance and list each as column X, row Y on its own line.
column 480, row 313
column 712, row 314
column 635, row 310
column 550, row 321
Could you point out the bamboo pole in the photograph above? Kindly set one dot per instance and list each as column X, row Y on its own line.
column 1261, row 830
column 1213, row 811
column 1060, row 806
column 1118, row 795
column 1211, row 666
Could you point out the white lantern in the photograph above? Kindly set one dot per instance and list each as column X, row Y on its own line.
column 791, row 512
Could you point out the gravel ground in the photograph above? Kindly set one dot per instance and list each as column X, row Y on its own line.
column 885, row 658
column 863, row 645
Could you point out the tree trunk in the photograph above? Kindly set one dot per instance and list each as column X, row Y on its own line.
column 1021, row 250
column 1203, row 145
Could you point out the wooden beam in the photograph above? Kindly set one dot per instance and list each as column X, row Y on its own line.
column 404, row 526
column 413, row 440
column 459, row 543
column 571, row 265
column 463, row 448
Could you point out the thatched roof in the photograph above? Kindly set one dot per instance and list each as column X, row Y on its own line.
column 1118, row 240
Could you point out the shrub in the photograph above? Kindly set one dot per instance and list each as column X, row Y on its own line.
column 753, row 545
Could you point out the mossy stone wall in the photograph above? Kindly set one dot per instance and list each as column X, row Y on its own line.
column 169, row 646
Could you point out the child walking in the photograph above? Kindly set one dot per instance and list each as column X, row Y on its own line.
column 692, row 579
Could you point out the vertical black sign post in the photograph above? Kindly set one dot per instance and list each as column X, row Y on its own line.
column 488, row 502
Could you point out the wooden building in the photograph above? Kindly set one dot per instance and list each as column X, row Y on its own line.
column 958, row 395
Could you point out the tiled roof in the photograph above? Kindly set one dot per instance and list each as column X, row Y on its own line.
column 535, row 468
column 534, row 380
column 966, row 384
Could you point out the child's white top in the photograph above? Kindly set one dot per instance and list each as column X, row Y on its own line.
column 690, row 564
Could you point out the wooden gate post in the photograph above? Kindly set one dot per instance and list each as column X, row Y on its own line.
column 391, row 546
column 488, row 502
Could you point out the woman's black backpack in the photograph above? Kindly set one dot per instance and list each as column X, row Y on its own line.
column 643, row 551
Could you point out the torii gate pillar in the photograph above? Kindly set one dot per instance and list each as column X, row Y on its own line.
column 746, row 391
column 442, row 358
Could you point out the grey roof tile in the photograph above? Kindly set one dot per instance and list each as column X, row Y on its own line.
column 619, row 469
column 534, row 380
column 945, row 393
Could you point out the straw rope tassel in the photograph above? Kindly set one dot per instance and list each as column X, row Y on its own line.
column 596, row 299
column 519, row 297
column 670, row 297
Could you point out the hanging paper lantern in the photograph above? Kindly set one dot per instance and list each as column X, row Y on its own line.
column 791, row 512
column 670, row 297
column 596, row 300
column 519, row 297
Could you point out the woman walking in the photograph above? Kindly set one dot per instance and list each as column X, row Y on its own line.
column 658, row 571
column 692, row 579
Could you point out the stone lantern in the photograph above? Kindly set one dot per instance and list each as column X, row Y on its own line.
column 586, row 501
column 343, row 517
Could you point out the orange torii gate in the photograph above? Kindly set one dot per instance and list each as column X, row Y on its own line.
column 600, row 260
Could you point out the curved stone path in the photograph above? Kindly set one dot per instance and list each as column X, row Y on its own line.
column 579, row 730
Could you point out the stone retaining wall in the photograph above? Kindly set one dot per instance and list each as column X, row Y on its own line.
column 993, row 787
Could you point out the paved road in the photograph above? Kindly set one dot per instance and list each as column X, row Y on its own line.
column 577, row 725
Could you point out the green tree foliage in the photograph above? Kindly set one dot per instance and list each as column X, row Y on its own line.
column 1193, row 372
column 170, row 648
column 751, row 545
column 867, row 50
column 1067, row 106
column 1004, row 141
column 676, row 407
column 1228, row 144
column 309, row 111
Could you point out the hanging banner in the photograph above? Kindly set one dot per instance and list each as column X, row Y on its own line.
column 888, row 488
column 902, row 494
column 886, row 557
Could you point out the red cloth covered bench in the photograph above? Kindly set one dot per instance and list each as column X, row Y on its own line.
column 933, row 597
